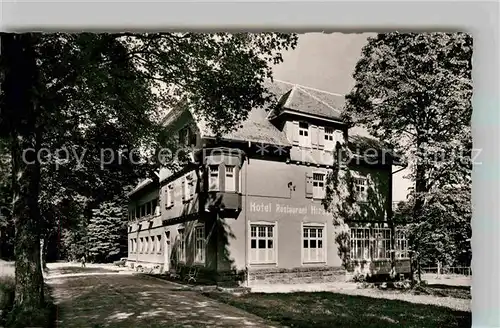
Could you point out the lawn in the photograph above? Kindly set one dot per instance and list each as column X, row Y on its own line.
column 326, row 309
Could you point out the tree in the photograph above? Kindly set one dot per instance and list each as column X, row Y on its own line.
column 107, row 231
column 57, row 88
column 414, row 91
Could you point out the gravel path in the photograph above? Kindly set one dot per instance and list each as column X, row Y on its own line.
column 132, row 300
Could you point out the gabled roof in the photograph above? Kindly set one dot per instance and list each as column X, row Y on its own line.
column 297, row 98
column 256, row 128
column 306, row 100
column 140, row 186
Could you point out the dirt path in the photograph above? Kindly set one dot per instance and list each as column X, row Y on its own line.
column 128, row 300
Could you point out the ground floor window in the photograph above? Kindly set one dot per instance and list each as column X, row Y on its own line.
column 313, row 249
column 370, row 243
column 401, row 244
column 199, row 235
column 153, row 244
column 262, row 243
column 158, row 244
column 141, row 245
column 146, row 246
column 181, row 249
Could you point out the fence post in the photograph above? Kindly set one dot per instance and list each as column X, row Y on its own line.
column 439, row 269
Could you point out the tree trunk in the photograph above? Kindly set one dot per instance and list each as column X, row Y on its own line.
column 420, row 190
column 21, row 112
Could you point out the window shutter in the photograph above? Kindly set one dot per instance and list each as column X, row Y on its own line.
column 183, row 185
column 166, row 197
column 171, row 193
column 222, row 177
column 321, row 137
column 237, row 178
column 295, row 133
column 314, row 136
column 192, row 186
column 309, row 185
column 339, row 136
column 201, row 181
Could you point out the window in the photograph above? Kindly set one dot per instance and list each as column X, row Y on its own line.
column 186, row 136
column 262, row 244
column 170, row 196
column 141, row 245
column 199, row 256
column 360, row 244
column 382, row 241
column 401, row 244
column 181, row 249
column 214, row 177
column 183, row 136
column 154, row 207
column 135, row 245
column 370, row 243
column 318, row 185
column 230, row 179
column 187, row 190
column 148, row 208
column 329, row 139
column 158, row 244
column 143, row 210
column 361, row 188
column 153, row 244
column 131, row 245
column 303, row 134
column 138, row 212
column 146, row 246
column 312, row 248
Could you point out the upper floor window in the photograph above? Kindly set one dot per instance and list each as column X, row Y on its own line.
column 169, row 199
column 329, row 138
column 318, row 185
column 361, row 187
column 186, row 136
column 213, row 177
column 190, row 185
column 154, row 207
column 303, row 134
column 230, row 182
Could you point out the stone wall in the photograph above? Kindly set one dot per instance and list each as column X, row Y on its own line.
column 296, row 275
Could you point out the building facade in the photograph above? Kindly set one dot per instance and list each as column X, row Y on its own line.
column 249, row 206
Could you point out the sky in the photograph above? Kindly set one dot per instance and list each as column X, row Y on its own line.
column 326, row 62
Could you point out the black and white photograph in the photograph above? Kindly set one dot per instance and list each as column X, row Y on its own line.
column 236, row 179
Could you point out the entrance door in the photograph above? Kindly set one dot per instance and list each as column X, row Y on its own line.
column 166, row 252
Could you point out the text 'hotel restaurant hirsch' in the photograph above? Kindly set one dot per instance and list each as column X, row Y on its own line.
column 249, row 206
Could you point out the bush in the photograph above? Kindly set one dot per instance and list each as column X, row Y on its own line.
column 7, row 288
